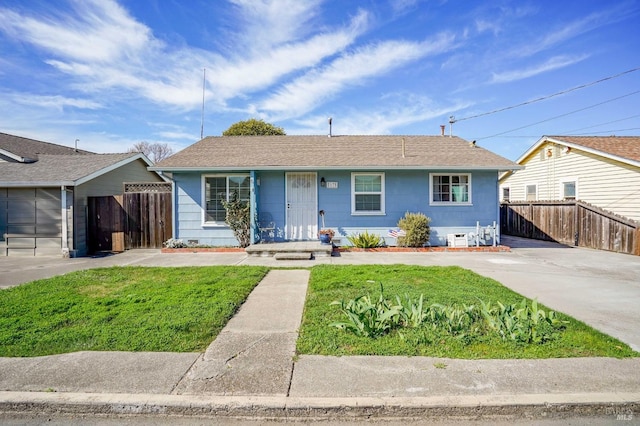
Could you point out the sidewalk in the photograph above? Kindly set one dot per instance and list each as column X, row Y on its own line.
column 251, row 370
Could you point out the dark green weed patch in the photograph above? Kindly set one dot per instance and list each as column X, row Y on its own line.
column 453, row 288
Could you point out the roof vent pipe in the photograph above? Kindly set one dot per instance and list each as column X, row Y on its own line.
column 442, row 126
column 330, row 120
column 403, row 147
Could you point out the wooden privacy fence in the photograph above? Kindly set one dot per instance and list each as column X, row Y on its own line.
column 574, row 223
column 132, row 220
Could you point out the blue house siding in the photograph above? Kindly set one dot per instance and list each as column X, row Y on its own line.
column 405, row 191
column 189, row 214
column 408, row 191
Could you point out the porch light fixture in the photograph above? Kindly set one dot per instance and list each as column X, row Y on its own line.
column 323, row 182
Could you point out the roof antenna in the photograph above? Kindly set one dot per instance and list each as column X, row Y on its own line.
column 330, row 121
column 204, row 78
column 452, row 120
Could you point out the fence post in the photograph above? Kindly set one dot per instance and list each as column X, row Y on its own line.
column 576, row 225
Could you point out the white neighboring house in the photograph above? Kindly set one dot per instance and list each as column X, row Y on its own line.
column 600, row 170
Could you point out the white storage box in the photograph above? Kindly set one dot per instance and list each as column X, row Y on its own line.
column 457, row 240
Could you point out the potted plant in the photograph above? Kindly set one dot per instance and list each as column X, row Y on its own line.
column 326, row 235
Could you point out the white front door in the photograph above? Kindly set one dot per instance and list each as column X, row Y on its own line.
column 302, row 203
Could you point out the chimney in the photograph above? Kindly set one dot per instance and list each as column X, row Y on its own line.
column 442, row 126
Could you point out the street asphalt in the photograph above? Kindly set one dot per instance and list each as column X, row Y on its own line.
column 251, row 369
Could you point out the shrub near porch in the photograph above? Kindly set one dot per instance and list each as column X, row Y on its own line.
column 443, row 285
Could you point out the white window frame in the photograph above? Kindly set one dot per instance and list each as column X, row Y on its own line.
column 380, row 212
column 469, row 201
column 525, row 191
column 561, row 189
column 507, row 187
column 203, row 201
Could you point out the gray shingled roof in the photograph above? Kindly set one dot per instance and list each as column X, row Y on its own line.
column 348, row 152
column 58, row 169
column 31, row 149
column 621, row 146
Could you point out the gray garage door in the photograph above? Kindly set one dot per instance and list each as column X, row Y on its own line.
column 30, row 221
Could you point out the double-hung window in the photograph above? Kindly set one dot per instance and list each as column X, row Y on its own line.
column 450, row 188
column 218, row 188
column 531, row 192
column 569, row 190
column 367, row 193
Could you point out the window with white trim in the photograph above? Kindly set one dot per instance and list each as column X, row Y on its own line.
column 216, row 188
column 506, row 193
column 450, row 188
column 531, row 192
column 569, row 190
column 367, row 193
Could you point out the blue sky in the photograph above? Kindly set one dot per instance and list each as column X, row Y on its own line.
column 113, row 73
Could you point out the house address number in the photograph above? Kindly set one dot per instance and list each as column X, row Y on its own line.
column 332, row 185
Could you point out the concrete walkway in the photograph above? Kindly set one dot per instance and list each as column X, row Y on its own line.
column 253, row 355
column 251, row 368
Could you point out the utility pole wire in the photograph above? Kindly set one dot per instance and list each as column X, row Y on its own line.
column 548, row 96
column 561, row 115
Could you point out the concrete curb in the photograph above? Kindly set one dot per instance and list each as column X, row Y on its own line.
column 477, row 406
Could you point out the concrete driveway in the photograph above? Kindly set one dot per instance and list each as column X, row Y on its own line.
column 599, row 288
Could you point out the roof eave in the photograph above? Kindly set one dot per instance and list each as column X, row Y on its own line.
column 31, row 184
column 572, row 145
column 334, row 167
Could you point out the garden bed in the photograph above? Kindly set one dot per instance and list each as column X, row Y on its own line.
column 203, row 250
column 427, row 249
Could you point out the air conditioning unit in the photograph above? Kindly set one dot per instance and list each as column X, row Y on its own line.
column 457, row 240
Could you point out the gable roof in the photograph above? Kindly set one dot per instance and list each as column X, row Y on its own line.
column 27, row 150
column 323, row 152
column 625, row 149
column 68, row 170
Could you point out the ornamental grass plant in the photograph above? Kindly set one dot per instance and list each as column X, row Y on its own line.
column 449, row 292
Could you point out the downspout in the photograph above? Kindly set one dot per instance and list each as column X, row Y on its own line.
column 253, row 205
column 65, row 225
column 174, row 203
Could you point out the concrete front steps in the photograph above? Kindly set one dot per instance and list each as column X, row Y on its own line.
column 295, row 250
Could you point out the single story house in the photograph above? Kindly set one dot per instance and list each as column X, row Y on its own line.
column 358, row 183
column 601, row 170
column 44, row 189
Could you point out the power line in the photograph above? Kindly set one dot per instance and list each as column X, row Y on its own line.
column 561, row 115
column 601, row 124
column 609, row 132
column 453, row 119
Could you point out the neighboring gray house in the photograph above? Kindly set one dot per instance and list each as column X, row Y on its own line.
column 44, row 189
column 360, row 183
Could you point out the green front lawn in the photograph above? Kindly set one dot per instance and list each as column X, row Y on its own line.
column 443, row 285
column 123, row 309
column 183, row 310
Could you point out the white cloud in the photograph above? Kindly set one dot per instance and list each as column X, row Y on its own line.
column 56, row 102
column 271, row 23
column 98, row 31
column 244, row 75
column 391, row 112
column 552, row 64
column 572, row 29
column 303, row 94
column 103, row 47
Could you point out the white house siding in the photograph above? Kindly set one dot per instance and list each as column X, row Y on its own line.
column 600, row 181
